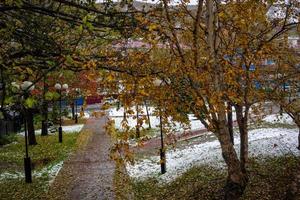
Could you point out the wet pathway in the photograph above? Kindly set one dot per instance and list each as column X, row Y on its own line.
column 88, row 174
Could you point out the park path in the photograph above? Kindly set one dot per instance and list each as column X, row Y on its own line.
column 88, row 174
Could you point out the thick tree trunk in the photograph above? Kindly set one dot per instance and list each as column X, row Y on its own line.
column 244, row 149
column 44, row 127
column 243, row 129
column 30, row 126
column 45, row 119
column 237, row 180
column 230, row 121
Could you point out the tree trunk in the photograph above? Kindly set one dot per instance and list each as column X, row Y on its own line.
column 137, row 122
column 148, row 115
column 297, row 121
column 30, row 126
column 124, row 114
column 44, row 111
column 244, row 149
column 237, row 180
column 73, row 110
column 44, row 125
column 230, row 121
column 299, row 138
column 243, row 129
column 3, row 89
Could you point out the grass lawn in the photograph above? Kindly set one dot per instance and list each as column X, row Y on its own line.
column 68, row 122
column 269, row 179
column 44, row 156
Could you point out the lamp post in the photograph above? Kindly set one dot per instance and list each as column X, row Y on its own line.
column 76, row 116
column 158, row 83
column 162, row 149
column 59, row 88
column 77, row 90
column 26, row 87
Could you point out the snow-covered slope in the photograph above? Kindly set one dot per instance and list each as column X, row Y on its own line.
column 262, row 142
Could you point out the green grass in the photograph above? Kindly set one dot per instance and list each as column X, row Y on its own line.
column 196, row 183
column 18, row 189
column 269, row 179
column 122, row 186
column 7, row 139
column 271, row 125
column 47, row 153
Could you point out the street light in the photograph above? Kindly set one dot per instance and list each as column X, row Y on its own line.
column 26, row 87
column 77, row 90
column 159, row 83
column 59, row 88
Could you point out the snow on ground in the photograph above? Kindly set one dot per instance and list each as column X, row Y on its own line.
column 51, row 171
column 120, row 112
column 72, row 128
column 195, row 123
column 66, row 129
column 177, row 127
column 277, row 118
column 86, row 115
column 132, row 122
column 262, row 142
column 117, row 116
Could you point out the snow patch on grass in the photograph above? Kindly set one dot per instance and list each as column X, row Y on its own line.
column 72, row 128
column 67, row 129
column 11, row 175
column 117, row 115
column 114, row 112
column 50, row 171
column 86, row 115
column 131, row 121
column 277, row 118
column 262, row 143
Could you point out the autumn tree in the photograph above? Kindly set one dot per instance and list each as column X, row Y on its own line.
column 33, row 47
column 212, row 55
column 41, row 38
column 252, row 46
column 208, row 57
column 283, row 88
